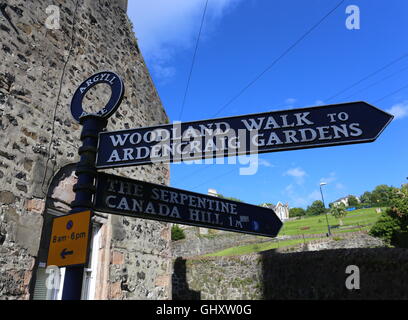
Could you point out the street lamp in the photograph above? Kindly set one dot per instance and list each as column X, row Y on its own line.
column 327, row 219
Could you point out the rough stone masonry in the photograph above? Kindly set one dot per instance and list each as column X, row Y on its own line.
column 40, row 69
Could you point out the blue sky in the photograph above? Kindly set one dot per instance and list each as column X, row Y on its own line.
column 240, row 38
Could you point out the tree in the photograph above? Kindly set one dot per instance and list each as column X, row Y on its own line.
column 266, row 204
column 352, row 201
column 393, row 223
column 339, row 212
column 296, row 212
column 366, row 198
column 229, row 198
column 177, row 233
column 385, row 228
column 315, row 208
column 383, row 195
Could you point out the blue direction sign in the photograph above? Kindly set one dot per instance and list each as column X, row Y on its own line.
column 123, row 196
column 339, row 124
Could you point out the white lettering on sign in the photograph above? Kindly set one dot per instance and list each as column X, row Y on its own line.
column 102, row 77
column 135, row 190
column 179, row 149
column 132, row 197
column 231, row 137
column 298, row 120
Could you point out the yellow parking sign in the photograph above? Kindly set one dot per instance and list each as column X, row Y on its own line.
column 70, row 240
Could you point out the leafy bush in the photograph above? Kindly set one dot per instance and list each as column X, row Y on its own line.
column 316, row 208
column 296, row 212
column 177, row 233
column 352, row 201
column 385, row 228
column 394, row 222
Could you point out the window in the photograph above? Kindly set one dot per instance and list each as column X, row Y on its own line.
column 90, row 273
column 49, row 283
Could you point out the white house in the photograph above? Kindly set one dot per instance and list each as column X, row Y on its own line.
column 344, row 200
column 281, row 210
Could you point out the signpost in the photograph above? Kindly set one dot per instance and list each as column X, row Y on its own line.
column 123, row 196
column 69, row 240
column 323, row 126
column 92, row 125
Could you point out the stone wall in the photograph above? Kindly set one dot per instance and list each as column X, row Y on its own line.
column 300, row 275
column 38, row 135
column 195, row 244
column 346, row 241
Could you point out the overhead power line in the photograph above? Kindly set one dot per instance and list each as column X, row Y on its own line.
column 289, row 49
column 265, row 71
column 377, row 82
column 193, row 61
column 215, row 178
column 405, row 55
column 391, row 94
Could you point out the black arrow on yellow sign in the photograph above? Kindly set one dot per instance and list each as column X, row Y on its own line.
column 65, row 253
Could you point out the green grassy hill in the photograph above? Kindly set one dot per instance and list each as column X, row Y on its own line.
column 356, row 220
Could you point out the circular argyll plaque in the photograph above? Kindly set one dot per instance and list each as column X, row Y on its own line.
column 117, row 87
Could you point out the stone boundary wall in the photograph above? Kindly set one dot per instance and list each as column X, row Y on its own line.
column 300, row 275
column 359, row 239
column 195, row 245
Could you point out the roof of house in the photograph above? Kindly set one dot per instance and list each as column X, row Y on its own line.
column 345, row 198
column 272, row 206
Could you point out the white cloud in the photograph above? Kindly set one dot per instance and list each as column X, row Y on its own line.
column 265, row 163
column 164, row 27
column 399, row 110
column 340, row 186
column 290, row 101
column 163, row 72
column 297, row 173
column 296, row 200
column 331, row 178
column 289, row 189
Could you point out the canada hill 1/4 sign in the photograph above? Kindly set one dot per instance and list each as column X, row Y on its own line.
column 340, row 124
column 123, row 196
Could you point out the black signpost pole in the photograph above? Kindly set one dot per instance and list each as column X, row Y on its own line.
column 92, row 125
column 84, row 193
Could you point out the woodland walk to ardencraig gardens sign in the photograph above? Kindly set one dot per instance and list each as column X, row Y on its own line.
column 340, row 124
